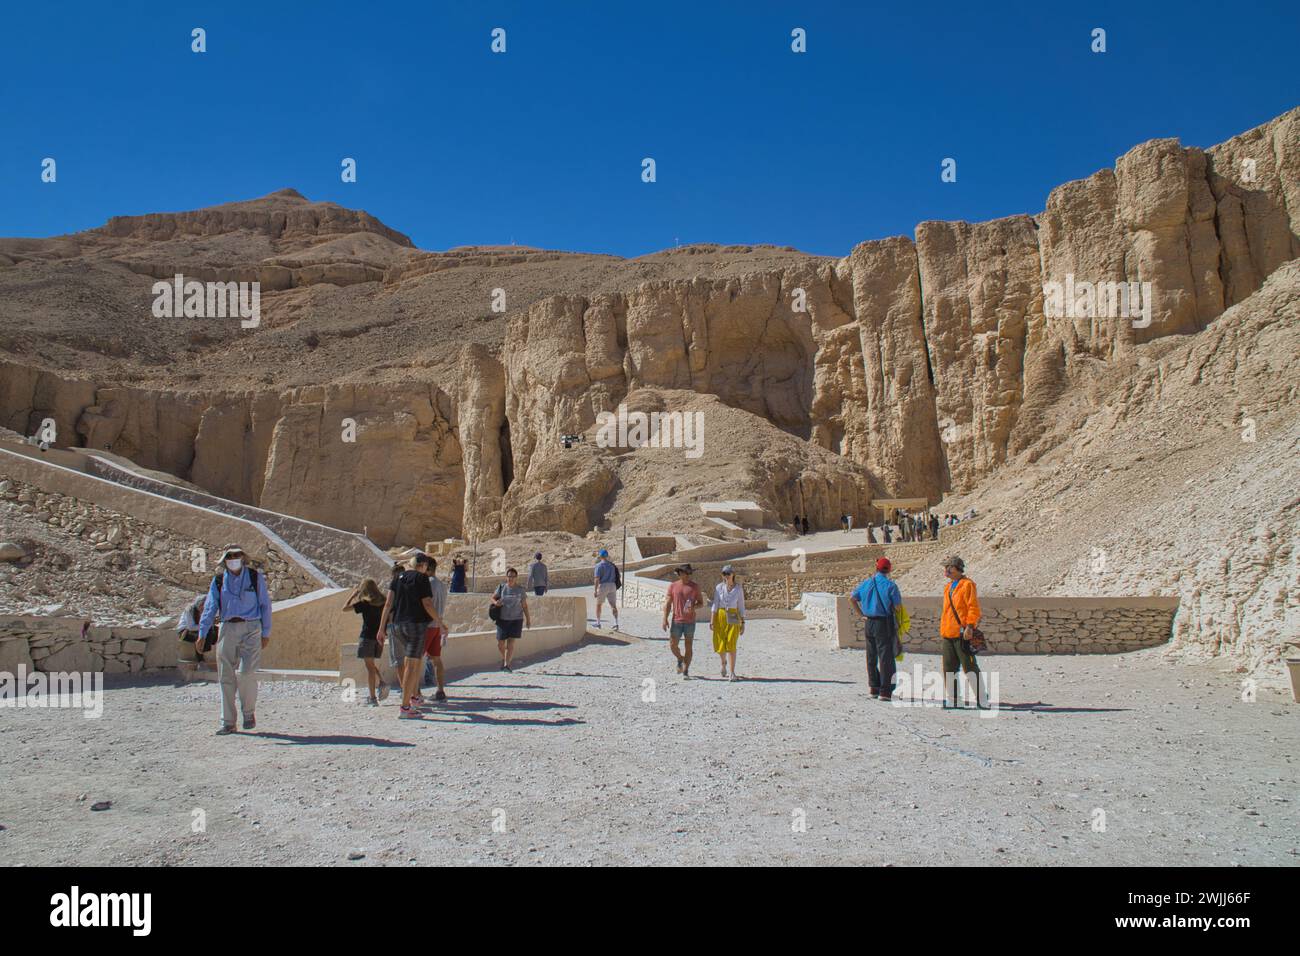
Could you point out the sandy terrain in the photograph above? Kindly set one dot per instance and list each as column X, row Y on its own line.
column 579, row 768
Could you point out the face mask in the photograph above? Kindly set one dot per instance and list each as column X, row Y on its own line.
column 234, row 564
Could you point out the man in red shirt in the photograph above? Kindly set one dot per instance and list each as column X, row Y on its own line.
column 684, row 596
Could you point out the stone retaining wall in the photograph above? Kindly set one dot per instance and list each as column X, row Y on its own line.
column 189, row 521
column 1034, row 625
column 124, row 539
column 67, row 644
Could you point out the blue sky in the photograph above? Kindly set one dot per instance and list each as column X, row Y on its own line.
column 543, row 145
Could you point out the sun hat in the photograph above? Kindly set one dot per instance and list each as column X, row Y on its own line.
column 954, row 562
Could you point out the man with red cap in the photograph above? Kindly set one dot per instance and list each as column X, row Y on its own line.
column 875, row 599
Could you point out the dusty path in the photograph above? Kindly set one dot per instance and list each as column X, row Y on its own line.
column 575, row 764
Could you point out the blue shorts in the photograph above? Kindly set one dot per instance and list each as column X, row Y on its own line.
column 684, row 629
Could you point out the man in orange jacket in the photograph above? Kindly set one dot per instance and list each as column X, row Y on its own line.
column 961, row 612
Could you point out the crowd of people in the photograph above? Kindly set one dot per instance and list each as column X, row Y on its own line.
column 905, row 526
column 410, row 618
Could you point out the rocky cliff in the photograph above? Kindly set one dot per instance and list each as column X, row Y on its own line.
column 912, row 366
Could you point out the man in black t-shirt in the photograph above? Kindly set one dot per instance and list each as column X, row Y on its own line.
column 409, row 608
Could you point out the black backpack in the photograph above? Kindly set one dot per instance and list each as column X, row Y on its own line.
column 252, row 579
column 618, row 578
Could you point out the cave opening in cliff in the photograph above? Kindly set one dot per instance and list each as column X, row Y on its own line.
column 507, row 458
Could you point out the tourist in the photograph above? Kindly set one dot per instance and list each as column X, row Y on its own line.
column 240, row 595
column 368, row 601
column 728, row 619
column 458, row 568
column 187, row 629
column 889, row 532
column 605, row 577
column 396, row 658
column 934, row 527
column 512, row 599
column 844, row 523
column 436, row 635
column 805, row 524
column 961, row 612
column 538, row 577
column 410, row 607
column 875, row 600
column 684, row 597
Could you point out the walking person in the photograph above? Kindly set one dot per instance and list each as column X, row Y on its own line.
column 368, row 601
column 961, row 612
column 805, row 524
column 436, row 635
column 888, row 531
column 458, row 571
column 728, row 619
column 875, row 600
column 605, row 577
column 934, row 527
column 409, row 606
column 684, row 597
column 240, row 595
column 538, row 577
column 512, row 599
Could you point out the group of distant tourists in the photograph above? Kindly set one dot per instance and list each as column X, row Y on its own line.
column 411, row 619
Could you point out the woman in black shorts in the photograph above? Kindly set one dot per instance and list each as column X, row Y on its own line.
column 368, row 601
column 512, row 598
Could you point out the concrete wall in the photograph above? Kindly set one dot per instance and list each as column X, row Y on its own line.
column 1024, row 625
column 70, row 644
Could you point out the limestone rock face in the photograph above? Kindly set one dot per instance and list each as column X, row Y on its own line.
column 913, row 366
column 981, row 288
column 283, row 214
column 388, row 458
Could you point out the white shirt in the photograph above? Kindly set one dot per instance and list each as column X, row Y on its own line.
column 733, row 598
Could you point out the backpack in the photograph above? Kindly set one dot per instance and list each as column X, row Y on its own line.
column 618, row 578
column 252, row 579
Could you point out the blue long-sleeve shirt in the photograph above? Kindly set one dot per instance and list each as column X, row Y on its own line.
column 237, row 599
column 877, row 596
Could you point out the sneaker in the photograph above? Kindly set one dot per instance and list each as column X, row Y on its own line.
column 679, row 665
column 225, row 729
column 417, row 699
column 372, row 702
column 408, row 713
column 441, row 695
column 506, row 668
column 383, row 692
column 686, row 673
column 250, row 722
column 875, row 695
column 615, row 627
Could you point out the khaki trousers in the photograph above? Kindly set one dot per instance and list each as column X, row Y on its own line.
column 239, row 652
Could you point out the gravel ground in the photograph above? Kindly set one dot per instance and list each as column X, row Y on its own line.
column 567, row 761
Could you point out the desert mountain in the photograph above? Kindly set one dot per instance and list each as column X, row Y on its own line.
column 912, row 366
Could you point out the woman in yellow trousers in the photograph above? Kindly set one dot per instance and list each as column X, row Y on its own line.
column 728, row 620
